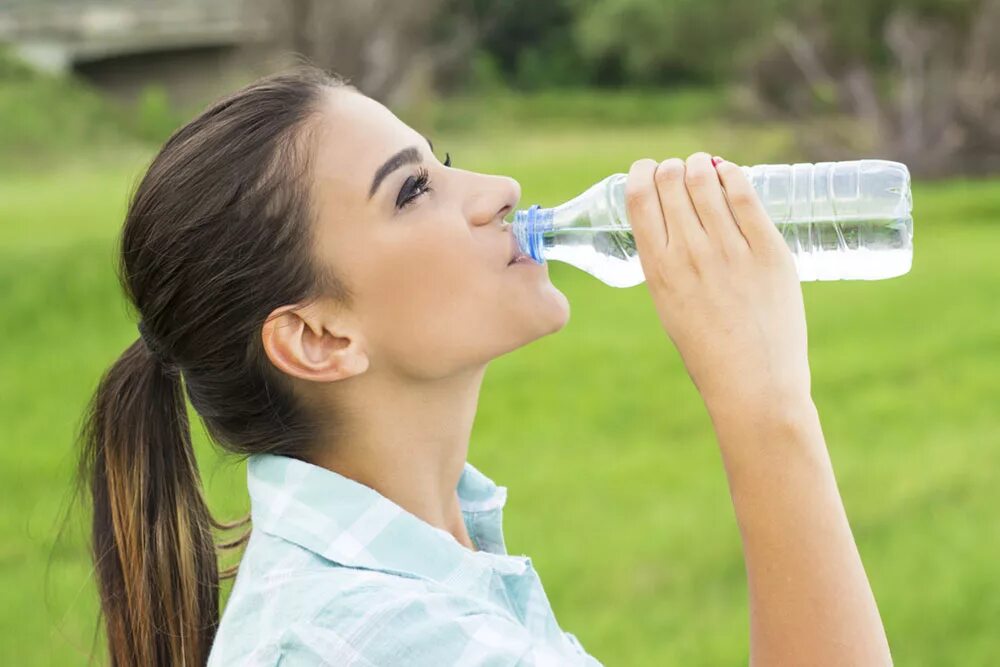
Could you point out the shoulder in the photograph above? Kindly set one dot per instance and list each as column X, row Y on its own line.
column 397, row 627
column 384, row 620
column 271, row 597
column 290, row 608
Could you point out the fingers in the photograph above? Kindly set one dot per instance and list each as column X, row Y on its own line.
column 705, row 190
column 683, row 225
column 698, row 203
column 643, row 206
column 757, row 227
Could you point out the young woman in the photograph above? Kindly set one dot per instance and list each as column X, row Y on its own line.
column 328, row 294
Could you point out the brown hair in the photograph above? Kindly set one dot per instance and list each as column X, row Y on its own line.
column 217, row 235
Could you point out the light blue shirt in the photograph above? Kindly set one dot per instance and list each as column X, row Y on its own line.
column 334, row 573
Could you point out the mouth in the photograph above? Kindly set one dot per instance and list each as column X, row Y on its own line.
column 516, row 256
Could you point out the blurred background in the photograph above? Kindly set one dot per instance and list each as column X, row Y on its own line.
column 616, row 487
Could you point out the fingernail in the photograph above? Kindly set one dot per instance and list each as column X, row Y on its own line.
column 716, row 161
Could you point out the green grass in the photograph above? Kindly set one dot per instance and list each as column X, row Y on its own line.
column 616, row 487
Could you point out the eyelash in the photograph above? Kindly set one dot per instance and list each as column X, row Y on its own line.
column 414, row 186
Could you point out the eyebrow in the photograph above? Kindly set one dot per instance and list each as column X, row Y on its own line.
column 408, row 155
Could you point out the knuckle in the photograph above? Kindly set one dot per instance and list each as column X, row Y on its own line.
column 700, row 251
column 675, row 254
column 642, row 164
column 737, row 250
column 695, row 177
column 697, row 156
column 774, row 252
column 726, row 167
column 656, row 272
column 670, row 170
column 635, row 194
column 639, row 178
column 742, row 198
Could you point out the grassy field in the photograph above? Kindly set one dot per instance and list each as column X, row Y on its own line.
column 616, row 486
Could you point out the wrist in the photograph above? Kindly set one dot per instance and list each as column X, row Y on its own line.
column 777, row 404
column 757, row 443
column 766, row 414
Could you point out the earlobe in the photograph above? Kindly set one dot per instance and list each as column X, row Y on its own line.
column 312, row 350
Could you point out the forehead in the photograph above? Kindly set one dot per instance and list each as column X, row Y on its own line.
column 357, row 135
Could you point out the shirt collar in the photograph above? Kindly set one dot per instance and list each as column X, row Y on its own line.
column 349, row 523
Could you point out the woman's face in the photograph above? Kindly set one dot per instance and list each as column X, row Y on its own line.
column 428, row 263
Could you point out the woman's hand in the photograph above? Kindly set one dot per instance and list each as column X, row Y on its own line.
column 726, row 289
column 723, row 281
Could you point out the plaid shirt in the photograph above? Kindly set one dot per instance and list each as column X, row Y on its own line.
column 334, row 573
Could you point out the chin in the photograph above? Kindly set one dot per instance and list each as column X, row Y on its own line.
column 548, row 312
column 557, row 311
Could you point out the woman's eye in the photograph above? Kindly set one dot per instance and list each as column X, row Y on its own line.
column 413, row 187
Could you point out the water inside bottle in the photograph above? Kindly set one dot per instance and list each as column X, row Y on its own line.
column 607, row 253
column 864, row 249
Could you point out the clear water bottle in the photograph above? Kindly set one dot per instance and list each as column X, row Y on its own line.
column 842, row 221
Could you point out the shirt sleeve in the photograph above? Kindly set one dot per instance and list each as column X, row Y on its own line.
column 431, row 630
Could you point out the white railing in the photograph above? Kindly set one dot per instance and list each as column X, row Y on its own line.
column 86, row 20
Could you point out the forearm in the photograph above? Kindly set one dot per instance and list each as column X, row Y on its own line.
column 810, row 600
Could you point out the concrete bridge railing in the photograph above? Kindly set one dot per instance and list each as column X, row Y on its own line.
column 57, row 33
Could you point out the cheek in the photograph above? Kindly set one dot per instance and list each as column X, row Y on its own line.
column 431, row 302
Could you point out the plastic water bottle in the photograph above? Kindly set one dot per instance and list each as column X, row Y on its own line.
column 842, row 221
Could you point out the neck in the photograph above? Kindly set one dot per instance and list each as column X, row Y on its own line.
column 406, row 440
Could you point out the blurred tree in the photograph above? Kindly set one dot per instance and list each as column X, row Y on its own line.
column 531, row 43
column 921, row 77
column 918, row 76
column 661, row 42
column 603, row 42
column 383, row 47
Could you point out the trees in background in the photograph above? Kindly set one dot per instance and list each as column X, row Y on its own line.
column 922, row 79
column 919, row 77
column 384, row 47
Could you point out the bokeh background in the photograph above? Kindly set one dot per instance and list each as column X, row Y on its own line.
column 616, row 486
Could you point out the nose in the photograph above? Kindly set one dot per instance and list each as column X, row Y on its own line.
column 496, row 196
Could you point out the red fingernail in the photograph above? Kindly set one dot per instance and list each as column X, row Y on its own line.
column 716, row 161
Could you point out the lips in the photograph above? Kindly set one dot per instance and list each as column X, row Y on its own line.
column 515, row 250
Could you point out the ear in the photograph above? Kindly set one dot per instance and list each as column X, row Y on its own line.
column 314, row 345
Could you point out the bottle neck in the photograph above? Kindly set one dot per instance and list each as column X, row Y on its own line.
column 600, row 206
column 529, row 225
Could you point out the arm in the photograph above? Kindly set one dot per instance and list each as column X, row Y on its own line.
column 810, row 600
column 725, row 287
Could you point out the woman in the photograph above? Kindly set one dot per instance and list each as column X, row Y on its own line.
column 331, row 293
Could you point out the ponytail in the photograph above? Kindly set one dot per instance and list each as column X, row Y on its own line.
column 224, row 208
column 152, row 542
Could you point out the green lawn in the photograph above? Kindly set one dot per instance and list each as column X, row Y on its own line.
column 616, row 488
